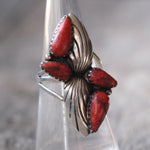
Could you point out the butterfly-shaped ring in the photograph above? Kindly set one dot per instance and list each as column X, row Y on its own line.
column 86, row 88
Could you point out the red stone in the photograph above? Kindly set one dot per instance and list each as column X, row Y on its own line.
column 98, row 109
column 62, row 40
column 101, row 78
column 57, row 70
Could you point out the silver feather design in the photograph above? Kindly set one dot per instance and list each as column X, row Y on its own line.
column 76, row 95
column 76, row 89
column 81, row 56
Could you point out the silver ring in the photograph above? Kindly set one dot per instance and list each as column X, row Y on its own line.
column 86, row 86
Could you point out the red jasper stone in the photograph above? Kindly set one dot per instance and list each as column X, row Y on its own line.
column 101, row 78
column 98, row 109
column 58, row 70
column 62, row 39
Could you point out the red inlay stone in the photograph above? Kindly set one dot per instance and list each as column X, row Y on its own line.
column 62, row 39
column 101, row 78
column 98, row 109
column 58, row 70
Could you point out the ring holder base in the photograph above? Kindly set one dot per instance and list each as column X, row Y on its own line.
column 55, row 130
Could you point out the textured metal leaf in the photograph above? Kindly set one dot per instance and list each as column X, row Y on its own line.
column 81, row 55
column 76, row 95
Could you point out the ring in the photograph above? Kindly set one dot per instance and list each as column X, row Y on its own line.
column 86, row 88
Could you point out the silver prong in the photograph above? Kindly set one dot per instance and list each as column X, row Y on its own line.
column 47, row 57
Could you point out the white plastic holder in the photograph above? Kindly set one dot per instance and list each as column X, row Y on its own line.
column 55, row 130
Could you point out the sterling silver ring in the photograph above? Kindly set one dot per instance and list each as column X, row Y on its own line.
column 86, row 88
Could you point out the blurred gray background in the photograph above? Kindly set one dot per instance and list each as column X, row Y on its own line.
column 120, row 32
